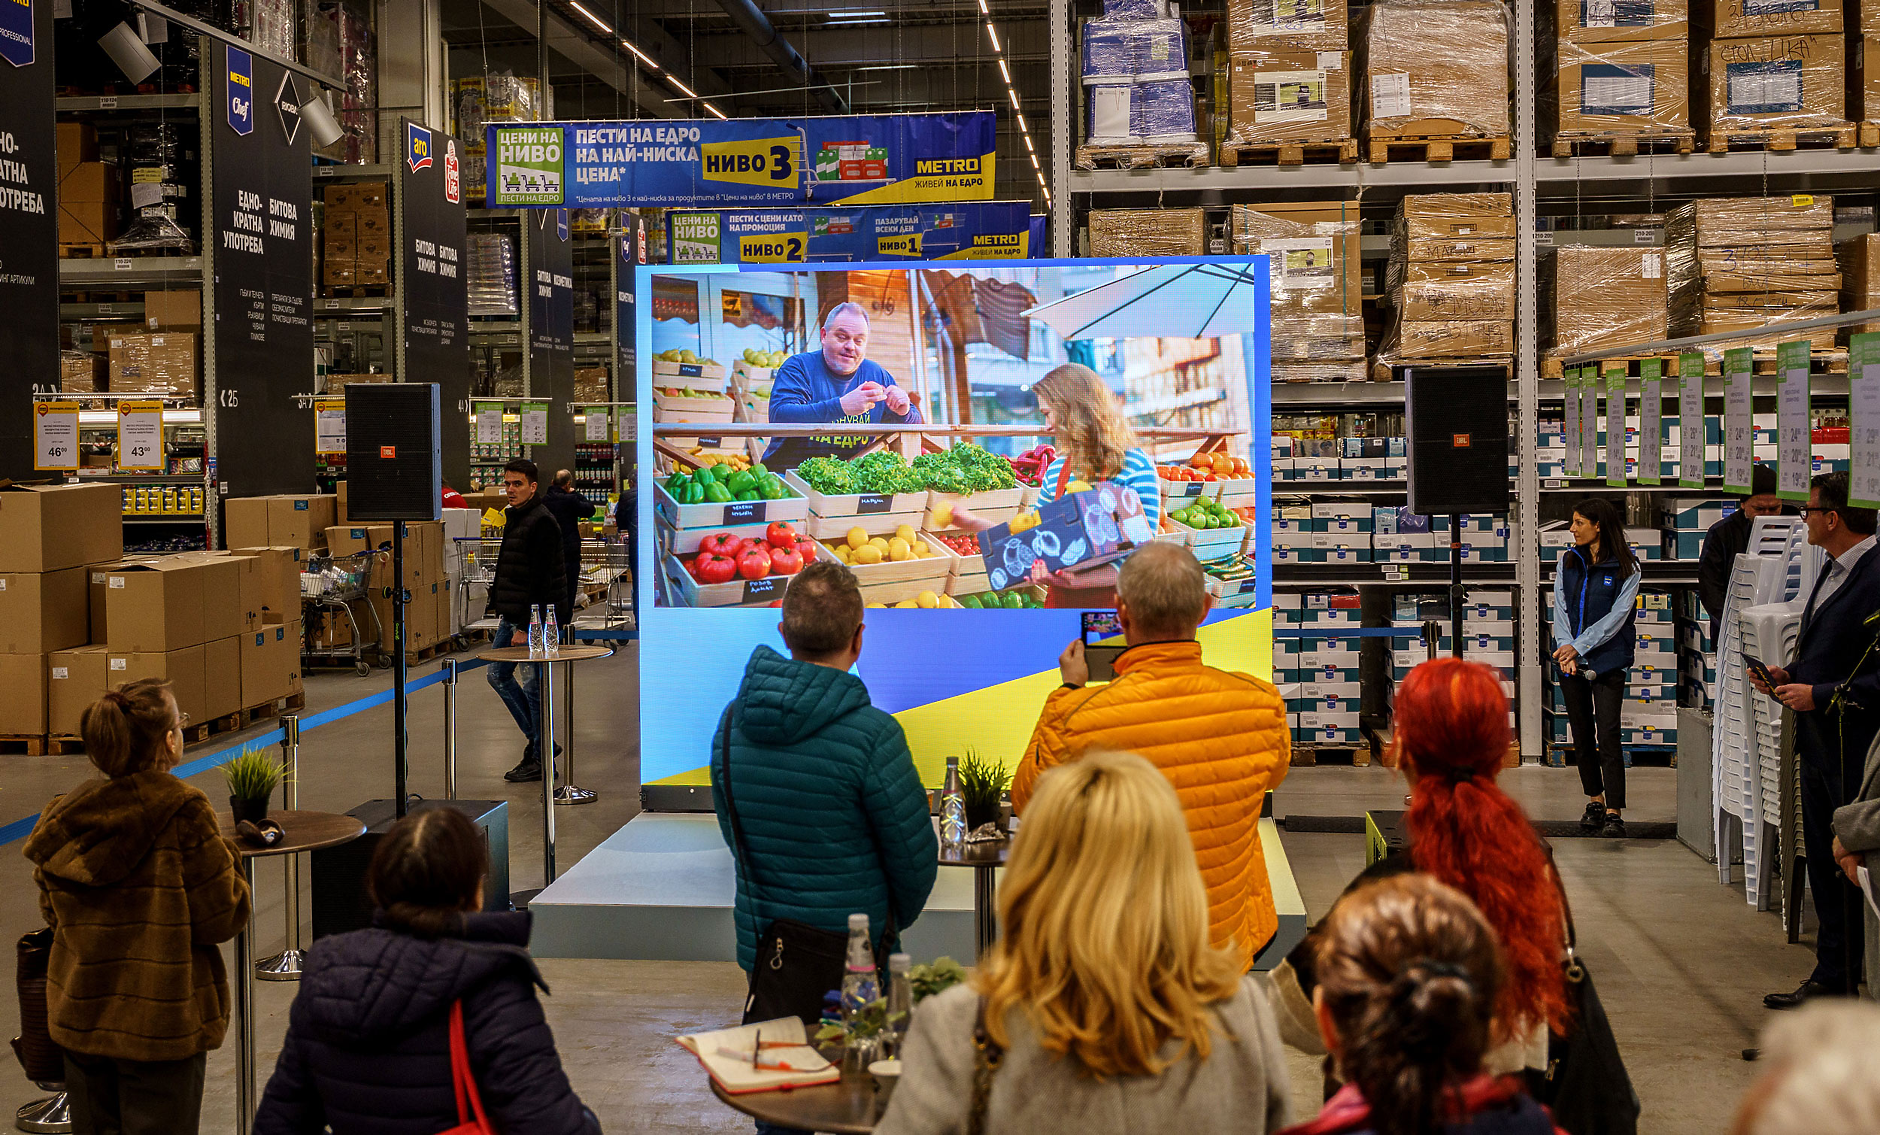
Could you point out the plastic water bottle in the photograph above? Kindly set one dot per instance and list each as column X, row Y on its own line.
column 900, row 1003
column 535, row 631
column 952, row 809
column 551, row 636
column 859, row 986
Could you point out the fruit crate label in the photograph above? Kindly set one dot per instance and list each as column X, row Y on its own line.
column 1186, row 489
column 764, row 590
column 744, row 512
column 873, row 502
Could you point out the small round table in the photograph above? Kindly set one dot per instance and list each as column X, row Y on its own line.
column 545, row 734
column 984, row 859
column 846, row 1107
column 304, row 831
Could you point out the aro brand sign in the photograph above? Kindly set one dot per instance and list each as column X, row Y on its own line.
column 417, row 147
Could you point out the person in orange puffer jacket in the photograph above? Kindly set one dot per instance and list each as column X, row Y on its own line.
column 1220, row 736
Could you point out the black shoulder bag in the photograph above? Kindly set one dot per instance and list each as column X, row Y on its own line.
column 1586, row 1085
column 797, row 965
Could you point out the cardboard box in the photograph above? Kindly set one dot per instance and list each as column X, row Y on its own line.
column 88, row 183
column 155, row 606
column 222, row 677
column 340, row 228
column 44, row 611
column 143, row 363
column 1859, row 260
column 270, row 584
column 82, row 372
column 87, row 222
column 181, row 668
column 283, row 521
column 223, row 613
column 1736, row 19
column 1607, row 297
column 373, row 224
column 351, row 539
column 74, row 679
column 339, row 490
column 1316, row 25
column 1627, row 85
column 1451, row 216
column 23, row 710
column 1148, row 232
column 50, row 527
column 333, row 631
column 1584, row 22
column 1290, row 96
column 1455, row 290
column 1796, row 81
column 270, row 663
column 1448, row 339
column 179, row 310
column 1434, row 68
column 1863, row 75
column 76, row 142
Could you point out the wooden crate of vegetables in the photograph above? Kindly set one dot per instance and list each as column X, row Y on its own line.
column 735, row 568
column 876, row 492
column 1210, row 529
column 969, row 476
column 721, row 495
column 892, row 568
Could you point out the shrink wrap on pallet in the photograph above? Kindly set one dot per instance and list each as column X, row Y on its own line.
column 1743, row 263
column 1289, row 96
column 1793, row 81
column 1271, row 25
column 1629, row 85
column 1859, row 261
column 1135, row 233
column 1605, row 297
column 1435, row 68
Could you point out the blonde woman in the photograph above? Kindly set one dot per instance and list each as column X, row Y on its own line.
column 1094, row 443
column 1103, row 1009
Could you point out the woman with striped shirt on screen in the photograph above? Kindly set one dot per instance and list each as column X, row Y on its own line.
column 1094, row 443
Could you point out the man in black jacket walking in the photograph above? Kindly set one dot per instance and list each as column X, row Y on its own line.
column 530, row 572
column 570, row 508
column 1728, row 539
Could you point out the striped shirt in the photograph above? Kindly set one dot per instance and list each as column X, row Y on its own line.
column 1138, row 474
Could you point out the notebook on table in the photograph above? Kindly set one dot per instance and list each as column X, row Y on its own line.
column 785, row 1060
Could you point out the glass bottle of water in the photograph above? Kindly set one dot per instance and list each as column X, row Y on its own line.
column 859, row 988
column 551, row 636
column 900, row 1003
column 952, row 809
column 535, row 631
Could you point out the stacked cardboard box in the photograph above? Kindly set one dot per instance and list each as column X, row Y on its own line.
column 1769, row 65
column 1620, row 68
column 428, row 615
column 1435, row 69
column 1317, row 285
column 1148, row 232
column 1743, row 263
column 49, row 538
column 1859, row 261
column 1319, row 675
column 145, row 363
column 284, row 521
column 1135, row 78
column 1290, row 72
column 88, row 188
column 1606, row 297
column 1863, row 65
column 81, row 372
column 356, row 243
column 1450, row 279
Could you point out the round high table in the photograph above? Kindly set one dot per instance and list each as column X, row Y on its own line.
column 985, row 859
column 846, row 1107
column 545, row 734
column 304, row 831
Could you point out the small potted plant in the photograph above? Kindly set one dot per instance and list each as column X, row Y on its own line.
column 252, row 777
column 982, row 782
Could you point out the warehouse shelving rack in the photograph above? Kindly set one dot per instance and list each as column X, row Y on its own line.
column 1542, row 187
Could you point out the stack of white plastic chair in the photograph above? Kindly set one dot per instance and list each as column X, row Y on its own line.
column 1768, row 587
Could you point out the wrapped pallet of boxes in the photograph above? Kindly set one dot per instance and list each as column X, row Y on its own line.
column 1434, row 71
column 1137, row 95
column 1269, row 25
column 1747, row 263
column 142, row 363
column 1863, row 82
column 1859, row 261
column 1136, row 233
column 1605, row 297
column 1281, row 96
column 1744, row 19
column 1621, row 89
column 1778, row 82
column 1316, row 286
column 1450, row 280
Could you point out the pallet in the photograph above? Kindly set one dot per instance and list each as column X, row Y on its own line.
column 1624, row 143
column 1782, row 139
column 26, row 744
column 243, row 718
column 1435, row 148
column 1554, row 368
column 1819, row 362
column 1381, row 370
column 1869, row 135
column 1177, row 155
column 355, row 291
column 80, row 250
column 1308, row 756
column 1342, row 151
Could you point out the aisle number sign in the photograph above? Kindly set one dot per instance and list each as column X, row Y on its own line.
column 535, row 423
column 1863, row 388
column 55, row 435
column 597, row 423
column 1739, row 446
column 1571, row 424
column 1651, row 412
column 329, row 426
column 1793, row 427
column 140, row 436
column 1615, row 425
column 489, row 419
column 1692, row 425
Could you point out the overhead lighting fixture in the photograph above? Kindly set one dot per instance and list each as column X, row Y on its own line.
column 1006, row 71
column 322, row 127
column 715, row 110
column 592, row 18
column 1014, row 95
column 983, row 10
column 126, row 49
column 856, row 13
column 1021, row 124
column 643, row 56
column 856, row 23
column 1034, row 163
column 674, row 80
column 994, row 33
column 1028, row 145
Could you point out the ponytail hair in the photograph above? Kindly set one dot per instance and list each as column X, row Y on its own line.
column 1410, row 973
column 425, row 872
column 127, row 730
column 1452, row 728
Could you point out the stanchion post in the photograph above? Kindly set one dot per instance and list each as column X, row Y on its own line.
column 286, row 965
column 568, row 792
column 450, row 729
column 545, row 750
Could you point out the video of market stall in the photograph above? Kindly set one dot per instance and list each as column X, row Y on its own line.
column 994, row 438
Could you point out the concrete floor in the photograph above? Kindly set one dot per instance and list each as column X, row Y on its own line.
column 1682, row 963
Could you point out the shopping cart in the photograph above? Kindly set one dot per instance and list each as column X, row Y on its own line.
column 604, row 568
column 478, row 556
column 330, row 588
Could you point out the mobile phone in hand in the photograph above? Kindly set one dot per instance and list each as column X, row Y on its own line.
column 1101, row 658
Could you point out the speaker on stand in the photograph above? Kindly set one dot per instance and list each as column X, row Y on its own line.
column 394, row 471
column 1456, row 427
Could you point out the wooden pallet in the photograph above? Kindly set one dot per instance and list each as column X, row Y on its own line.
column 1381, row 370
column 27, row 744
column 1869, row 135
column 1782, row 139
column 1308, row 755
column 1819, row 362
column 1342, row 151
column 1180, row 155
column 1624, row 143
column 80, row 250
column 1412, row 148
column 1554, row 368
column 243, row 718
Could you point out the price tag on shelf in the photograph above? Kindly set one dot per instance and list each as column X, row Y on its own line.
column 1863, row 390
column 329, row 426
column 535, row 423
column 1692, row 425
column 597, row 422
column 1738, row 423
column 140, row 436
column 489, row 418
column 1793, row 428
column 55, row 435
column 1615, row 425
column 1651, row 426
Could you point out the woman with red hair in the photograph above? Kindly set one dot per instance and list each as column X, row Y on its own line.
column 1451, row 735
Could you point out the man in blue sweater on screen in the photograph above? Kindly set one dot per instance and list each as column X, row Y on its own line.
column 835, row 384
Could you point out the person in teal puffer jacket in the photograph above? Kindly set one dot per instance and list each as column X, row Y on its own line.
column 831, row 807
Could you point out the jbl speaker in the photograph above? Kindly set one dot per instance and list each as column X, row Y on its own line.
column 1456, row 419
column 394, row 470
column 340, row 902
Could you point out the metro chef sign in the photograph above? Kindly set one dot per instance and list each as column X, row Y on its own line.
column 854, row 159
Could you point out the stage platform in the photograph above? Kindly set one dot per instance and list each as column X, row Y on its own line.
column 660, row 889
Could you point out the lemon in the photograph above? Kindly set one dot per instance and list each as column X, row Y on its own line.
column 868, row 554
column 927, row 599
column 898, row 550
column 906, row 532
column 879, row 542
column 942, row 516
column 1078, row 487
column 920, row 547
column 907, row 603
column 858, row 537
column 882, row 605
column 843, row 554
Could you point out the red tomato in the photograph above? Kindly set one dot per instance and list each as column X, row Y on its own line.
column 780, row 535
column 719, row 544
column 754, row 563
column 710, row 567
column 785, row 561
column 747, row 544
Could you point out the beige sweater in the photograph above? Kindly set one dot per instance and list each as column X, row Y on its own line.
column 1241, row 1088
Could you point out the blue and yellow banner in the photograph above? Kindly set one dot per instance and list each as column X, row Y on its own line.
column 855, row 159
column 971, row 230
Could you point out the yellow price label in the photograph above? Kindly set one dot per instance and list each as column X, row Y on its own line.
column 1801, row 200
column 907, row 244
column 757, row 161
column 772, row 248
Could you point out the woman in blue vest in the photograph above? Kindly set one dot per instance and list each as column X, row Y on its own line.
column 1595, row 597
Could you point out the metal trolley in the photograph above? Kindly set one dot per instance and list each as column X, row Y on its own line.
column 328, row 588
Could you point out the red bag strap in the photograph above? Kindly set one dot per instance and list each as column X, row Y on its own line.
column 461, row 1080
column 1064, row 478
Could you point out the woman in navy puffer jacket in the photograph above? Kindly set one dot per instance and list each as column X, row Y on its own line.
column 368, row 1043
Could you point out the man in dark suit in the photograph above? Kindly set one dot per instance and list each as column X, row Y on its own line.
column 1833, row 685
column 1728, row 539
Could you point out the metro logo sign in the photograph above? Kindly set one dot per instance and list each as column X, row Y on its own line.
column 417, row 147
column 241, row 90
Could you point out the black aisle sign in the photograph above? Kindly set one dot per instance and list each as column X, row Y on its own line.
column 630, row 251
column 29, row 226
column 431, row 278
column 551, row 331
column 261, row 242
